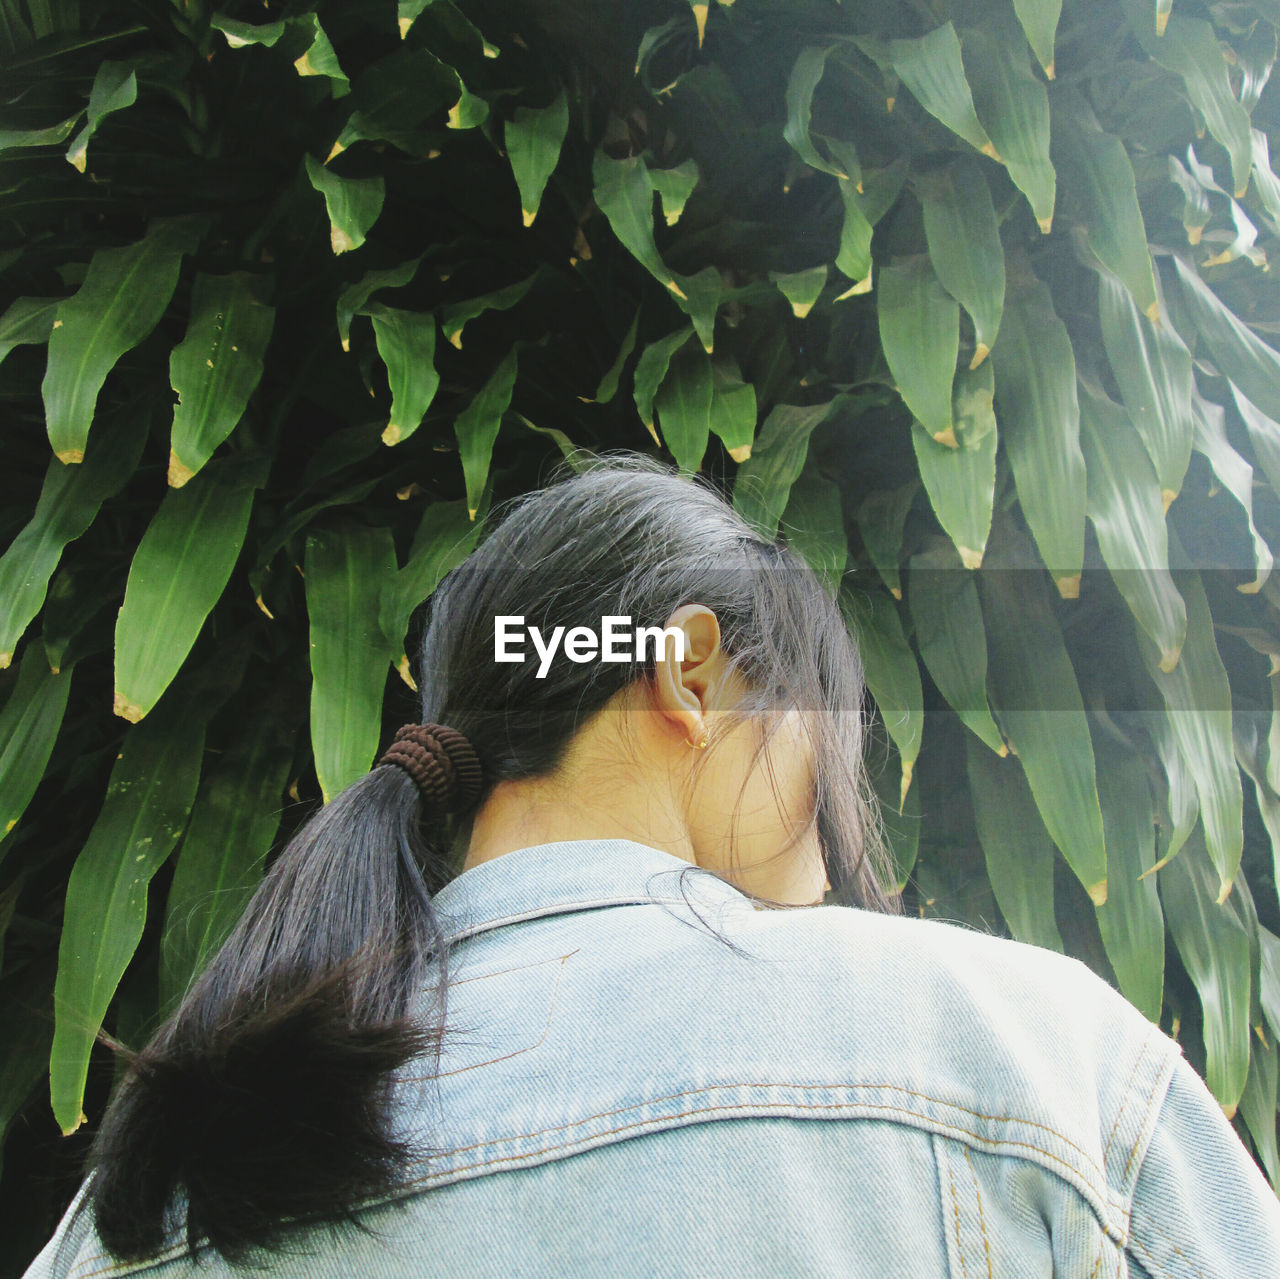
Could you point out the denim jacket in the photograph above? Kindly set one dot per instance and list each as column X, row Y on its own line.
column 649, row 1074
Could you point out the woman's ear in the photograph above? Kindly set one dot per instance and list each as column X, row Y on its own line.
column 683, row 686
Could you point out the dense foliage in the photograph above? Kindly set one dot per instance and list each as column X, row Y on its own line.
column 972, row 300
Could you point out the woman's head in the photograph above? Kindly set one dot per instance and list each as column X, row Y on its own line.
column 769, row 672
column 316, row 998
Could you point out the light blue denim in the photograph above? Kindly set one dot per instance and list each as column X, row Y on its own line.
column 837, row 1093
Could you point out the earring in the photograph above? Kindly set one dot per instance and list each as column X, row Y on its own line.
column 701, row 743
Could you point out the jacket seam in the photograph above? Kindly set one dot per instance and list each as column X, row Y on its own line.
column 955, row 1212
column 982, row 1219
column 1149, row 1221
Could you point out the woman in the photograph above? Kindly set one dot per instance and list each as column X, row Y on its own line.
column 552, row 991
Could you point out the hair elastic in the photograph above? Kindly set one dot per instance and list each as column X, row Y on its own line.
column 442, row 762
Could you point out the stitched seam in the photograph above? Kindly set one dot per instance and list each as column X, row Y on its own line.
column 955, row 1212
column 1178, row 1251
column 1124, row 1093
column 982, row 1220
column 1146, row 1107
column 1149, row 1261
column 469, row 930
column 896, row 1088
column 948, row 1129
column 1102, row 1247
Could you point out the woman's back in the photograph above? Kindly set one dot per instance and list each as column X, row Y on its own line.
column 898, row 1096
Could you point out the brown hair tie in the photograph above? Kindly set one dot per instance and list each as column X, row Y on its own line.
column 443, row 763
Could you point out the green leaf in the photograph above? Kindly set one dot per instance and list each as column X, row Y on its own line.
column 901, row 826
column 1152, row 368
column 1036, row 404
column 1190, row 49
column 733, row 412
column 216, row 367
column 1195, row 200
column 805, row 76
column 29, row 724
column 1131, row 921
column 1197, row 698
column 533, row 138
column 456, row 315
column 1236, row 476
column 1264, row 436
column 881, row 518
column 920, row 333
column 674, row 187
column 1239, row 353
column 862, row 210
column 28, row 320
column 623, row 192
column 1125, row 507
column 395, row 99
column 24, row 1050
column 239, row 34
column 53, row 135
column 608, row 387
column 892, row 675
column 1096, row 172
column 1039, row 20
column 683, row 405
column 346, row 572
column 651, row 368
column 961, row 481
column 233, row 823
column 1265, row 181
column 179, row 570
column 1017, row 848
column 1013, row 105
column 353, row 204
column 477, row 427
column 932, row 69
column 800, row 288
column 115, row 87
column 952, row 640
column 319, row 58
column 1037, row 703
column 124, row 294
column 762, row 486
column 1215, row 948
column 1258, row 1104
column 814, row 526
column 148, row 800
column 69, row 500
column 446, row 536
column 407, row 344
column 352, row 299
column 964, row 246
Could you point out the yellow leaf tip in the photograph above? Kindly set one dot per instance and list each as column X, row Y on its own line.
column 5, row 660
column 677, row 290
column 402, row 667
column 907, row 769
column 1193, row 234
column 1050, row 69
column 1162, row 21
column 1224, row 890
column 1242, row 192
column 700, row 17
column 122, row 706
column 1169, row 659
column 896, row 592
column 528, row 216
column 1069, row 587
column 391, row 435
column 179, row 472
column 471, row 512
column 1166, row 499
column 1045, row 224
column 71, row 457
column 889, row 104
column 980, row 353
column 405, row 24
column 970, row 558
column 948, row 437
column 801, row 309
column 83, row 1119
column 258, row 600
column 1153, row 313
column 1228, row 1109
column 741, row 453
column 340, row 241
column 1098, row 893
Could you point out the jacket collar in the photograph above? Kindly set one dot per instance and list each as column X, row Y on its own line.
column 572, row 875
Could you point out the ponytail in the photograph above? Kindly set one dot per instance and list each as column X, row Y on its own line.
column 264, row 1096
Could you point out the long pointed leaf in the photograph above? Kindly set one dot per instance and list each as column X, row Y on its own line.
column 683, row 403
column 179, row 570
column 961, row 481
column 477, row 427
column 353, row 204
column 29, row 725
column 1125, row 507
column 124, row 294
column 533, row 138
column 932, row 69
column 215, row 368
column 346, row 572
column 407, row 344
column 1039, row 413
column 146, row 807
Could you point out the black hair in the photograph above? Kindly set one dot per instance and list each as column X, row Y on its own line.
column 262, row 1101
